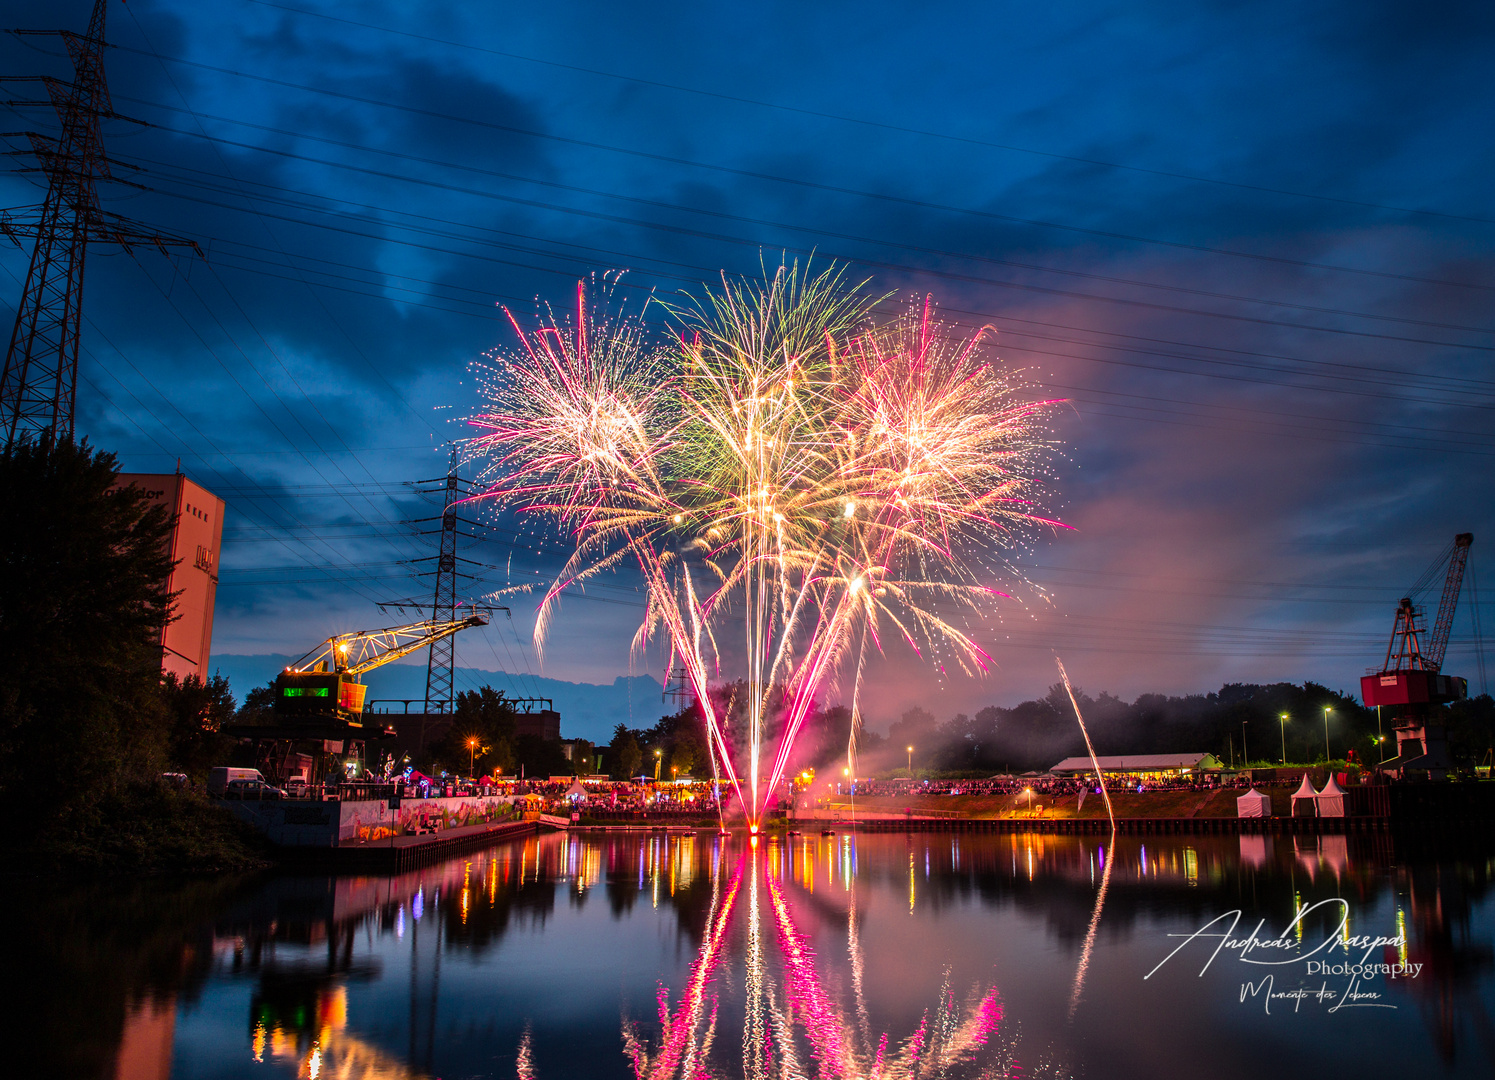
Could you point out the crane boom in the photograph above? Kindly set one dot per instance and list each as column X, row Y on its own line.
column 323, row 685
column 1443, row 627
column 365, row 650
column 1411, row 676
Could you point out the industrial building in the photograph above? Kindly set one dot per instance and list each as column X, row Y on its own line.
column 196, row 539
column 1145, row 766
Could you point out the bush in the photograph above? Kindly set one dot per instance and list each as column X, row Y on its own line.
column 149, row 828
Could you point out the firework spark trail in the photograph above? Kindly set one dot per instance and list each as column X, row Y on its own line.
column 1100, row 902
column 1105, row 878
column 1099, row 779
column 838, row 481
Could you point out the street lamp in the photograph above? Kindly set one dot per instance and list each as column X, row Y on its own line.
column 658, row 761
column 1327, row 710
column 1284, row 738
column 472, row 753
column 1245, row 757
column 910, row 762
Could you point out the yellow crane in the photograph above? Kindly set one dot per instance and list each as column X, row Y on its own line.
column 324, row 683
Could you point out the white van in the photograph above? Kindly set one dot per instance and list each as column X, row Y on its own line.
column 218, row 778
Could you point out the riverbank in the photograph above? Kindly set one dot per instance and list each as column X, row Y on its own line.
column 1450, row 802
column 142, row 829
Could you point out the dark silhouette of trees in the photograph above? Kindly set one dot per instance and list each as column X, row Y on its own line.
column 1036, row 734
column 196, row 712
column 82, row 603
column 486, row 716
column 623, row 756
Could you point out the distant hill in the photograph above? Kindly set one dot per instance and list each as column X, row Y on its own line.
column 588, row 710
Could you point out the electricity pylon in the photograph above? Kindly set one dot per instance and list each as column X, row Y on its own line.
column 39, row 384
column 440, row 667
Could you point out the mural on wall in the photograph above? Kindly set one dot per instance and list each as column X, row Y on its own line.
column 362, row 822
column 332, row 824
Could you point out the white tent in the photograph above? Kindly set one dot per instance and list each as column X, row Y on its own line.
column 1331, row 799
column 576, row 791
column 1253, row 804
column 1305, row 791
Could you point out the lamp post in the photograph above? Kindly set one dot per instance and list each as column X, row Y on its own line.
column 472, row 754
column 1327, row 710
column 1283, row 720
column 910, row 762
column 1245, row 757
column 658, row 761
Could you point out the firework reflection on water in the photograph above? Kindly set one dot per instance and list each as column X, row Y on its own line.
column 792, row 1025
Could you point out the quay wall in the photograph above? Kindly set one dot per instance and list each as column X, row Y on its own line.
column 294, row 823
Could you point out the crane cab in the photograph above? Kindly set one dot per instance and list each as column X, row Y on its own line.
column 318, row 695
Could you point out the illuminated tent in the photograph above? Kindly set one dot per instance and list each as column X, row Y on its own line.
column 1305, row 792
column 1331, row 799
column 1253, row 804
column 576, row 791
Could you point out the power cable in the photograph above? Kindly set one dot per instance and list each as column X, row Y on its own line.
column 723, row 215
column 867, row 123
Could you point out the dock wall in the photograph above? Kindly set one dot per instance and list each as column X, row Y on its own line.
column 292, row 823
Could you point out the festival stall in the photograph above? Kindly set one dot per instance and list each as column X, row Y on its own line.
column 1253, row 804
column 1305, row 799
column 1331, row 799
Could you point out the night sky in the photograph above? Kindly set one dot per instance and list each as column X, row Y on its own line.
column 1252, row 243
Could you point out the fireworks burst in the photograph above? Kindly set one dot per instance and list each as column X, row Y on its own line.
column 785, row 462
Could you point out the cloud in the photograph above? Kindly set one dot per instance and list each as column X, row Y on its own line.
column 1281, row 407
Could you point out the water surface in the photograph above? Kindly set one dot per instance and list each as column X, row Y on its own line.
column 884, row 955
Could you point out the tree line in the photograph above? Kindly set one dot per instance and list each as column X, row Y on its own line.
column 1263, row 724
column 1241, row 723
column 88, row 724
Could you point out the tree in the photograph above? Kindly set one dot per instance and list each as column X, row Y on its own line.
column 258, row 707
column 686, row 752
column 915, row 728
column 624, row 755
column 486, row 716
column 195, row 713
column 82, row 604
column 541, row 758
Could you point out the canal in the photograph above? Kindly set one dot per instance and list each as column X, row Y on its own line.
column 888, row 955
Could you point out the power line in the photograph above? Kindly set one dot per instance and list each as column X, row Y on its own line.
column 863, row 122
column 587, row 254
column 676, row 207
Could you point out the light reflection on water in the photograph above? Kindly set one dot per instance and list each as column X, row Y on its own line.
column 889, row 956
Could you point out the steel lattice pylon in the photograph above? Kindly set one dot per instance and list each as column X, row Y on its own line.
column 443, row 657
column 39, row 383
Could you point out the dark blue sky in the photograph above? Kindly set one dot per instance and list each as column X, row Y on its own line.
column 1252, row 243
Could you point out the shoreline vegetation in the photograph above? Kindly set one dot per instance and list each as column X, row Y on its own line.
column 142, row 829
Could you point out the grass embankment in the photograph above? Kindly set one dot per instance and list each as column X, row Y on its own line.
column 141, row 828
column 1128, row 804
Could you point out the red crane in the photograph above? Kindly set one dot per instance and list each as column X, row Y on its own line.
column 1410, row 673
column 1411, row 678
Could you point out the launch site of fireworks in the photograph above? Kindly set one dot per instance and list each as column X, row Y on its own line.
column 791, row 543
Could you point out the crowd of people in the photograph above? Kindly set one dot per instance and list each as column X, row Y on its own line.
column 1056, row 786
